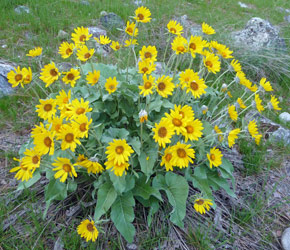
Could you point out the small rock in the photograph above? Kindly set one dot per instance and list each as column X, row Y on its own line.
column 58, row 244
column 258, row 34
column 285, row 117
column 83, row 2
column 283, row 10
column 5, row 86
column 286, row 239
column 282, row 134
column 159, row 68
column 138, row 2
column 22, row 9
column 132, row 246
column 243, row 5
column 62, row 34
column 111, row 21
column 65, row 66
column 4, row 46
column 97, row 32
column 287, row 18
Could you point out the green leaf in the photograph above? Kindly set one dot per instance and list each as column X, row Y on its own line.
column 176, row 188
column 203, row 186
column 153, row 209
column 106, row 197
column 200, row 172
column 55, row 190
column 122, row 215
column 207, row 128
column 26, row 184
column 119, row 182
column 114, row 133
column 136, row 144
column 147, row 165
column 219, row 181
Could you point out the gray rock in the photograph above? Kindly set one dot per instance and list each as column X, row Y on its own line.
column 286, row 239
column 62, row 34
column 112, row 21
column 83, row 2
column 96, row 31
column 132, row 246
column 243, row 5
column 283, row 10
column 65, row 66
column 5, row 86
column 258, row 34
column 159, row 68
column 287, row 18
column 138, row 2
column 189, row 27
column 58, row 245
column 282, row 134
column 22, row 9
column 285, row 117
column 4, row 46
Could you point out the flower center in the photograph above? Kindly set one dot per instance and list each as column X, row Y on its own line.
column 119, row 150
column 65, row 100
column 117, row 47
column 129, row 30
column 82, row 38
column 189, row 129
column 70, row 76
column 181, row 48
column 57, row 127
column 181, row 153
column 161, row 86
column 35, row 159
column 199, row 202
column 192, row 46
column 90, row 227
column 176, row 122
column 47, row 142
column 87, row 55
column 162, row 132
column 47, row 107
column 168, row 157
column 182, row 114
column 112, row 87
column 83, row 127
column 80, row 111
column 23, row 167
column 66, row 167
column 147, row 85
column 68, row 51
column 148, row 55
column 69, row 137
column 209, row 64
column 212, row 157
column 173, row 30
column 194, row 85
column 53, row 72
column 145, row 69
column 140, row 16
column 18, row 77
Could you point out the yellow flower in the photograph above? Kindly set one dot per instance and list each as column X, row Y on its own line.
column 32, row 159
column 82, row 124
column 81, row 35
column 118, row 169
column 215, row 157
column 182, row 155
column 164, row 86
column 69, row 136
column 15, row 77
column 66, row 49
column 258, row 102
column 23, row 172
column 56, row 124
column 49, row 74
column 253, row 88
column 103, row 40
column 236, row 65
column 186, row 77
column 196, row 45
column 206, row 29
column 196, row 86
column 233, row 135
column 232, row 112
column 275, row 103
column 148, row 53
column 35, row 52
column 185, row 112
column 179, row 45
column 111, row 85
column 143, row 115
column 27, row 75
column 92, row 166
column 266, row 85
column 163, row 132
column 64, row 168
column 118, row 151
column 115, row 45
column 204, row 109
column 174, row 28
column 201, row 204
column 147, row 86
column 166, row 159
column 258, row 138
column 71, row 77
column 241, row 103
column 84, row 53
column 142, row 15
column 88, row 230
column 131, row 27
column 211, row 61
column 130, row 41
column 46, row 109
column 252, row 128
column 178, row 121
column 93, row 77
column 223, row 50
column 219, row 132
column 77, row 108
column 146, row 67
column 38, row 130
column 44, row 141
column 193, row 130
column 63, row 98
column 81, row 159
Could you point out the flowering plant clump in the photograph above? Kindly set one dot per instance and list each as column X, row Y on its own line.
column 132, row 133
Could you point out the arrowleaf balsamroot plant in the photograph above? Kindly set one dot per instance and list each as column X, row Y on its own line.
column 134, row 133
